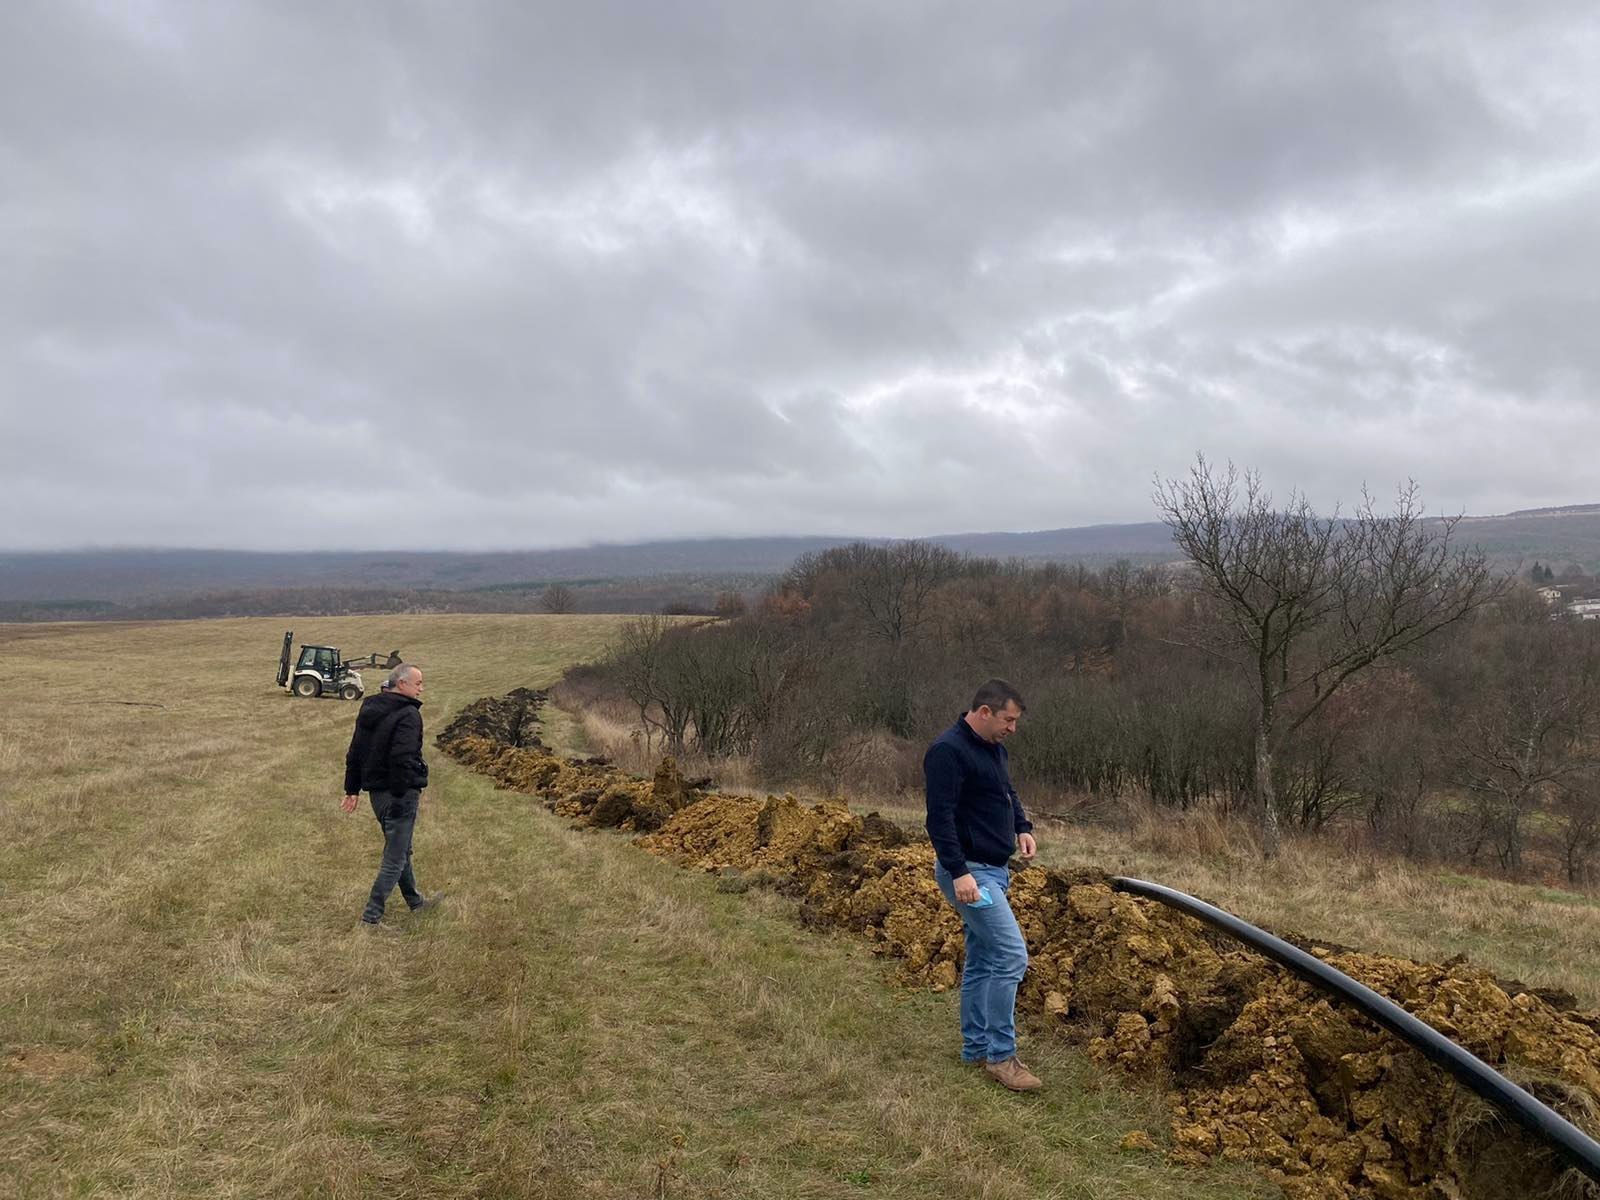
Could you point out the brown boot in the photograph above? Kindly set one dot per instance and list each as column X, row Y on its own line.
column 1012, row 1074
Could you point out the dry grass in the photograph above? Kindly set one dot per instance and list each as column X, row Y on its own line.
column 187, row 1010
column 608, row 730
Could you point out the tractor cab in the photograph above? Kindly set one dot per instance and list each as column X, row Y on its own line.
column 318, row 671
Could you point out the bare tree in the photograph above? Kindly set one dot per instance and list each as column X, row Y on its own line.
column 1393, row 771
column 887, row 588
column 1577, row 809
column 1524, row 739
column 1074, row 627
column 1302, row 603
column 647, row 668
column 558, row 598
column 711, row 686
column 730, row 605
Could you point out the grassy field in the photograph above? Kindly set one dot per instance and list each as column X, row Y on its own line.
column 187, row 1008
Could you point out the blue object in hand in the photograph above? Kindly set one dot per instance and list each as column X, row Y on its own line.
column 984, row 899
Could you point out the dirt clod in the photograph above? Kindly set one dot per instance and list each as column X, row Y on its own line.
column 1137, row 1140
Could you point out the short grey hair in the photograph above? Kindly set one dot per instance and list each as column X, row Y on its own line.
column 399, row 673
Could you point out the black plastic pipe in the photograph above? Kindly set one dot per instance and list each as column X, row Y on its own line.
column 1577, row 1147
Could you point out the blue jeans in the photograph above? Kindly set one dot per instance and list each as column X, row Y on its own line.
column 397, row 815
column 997, row 959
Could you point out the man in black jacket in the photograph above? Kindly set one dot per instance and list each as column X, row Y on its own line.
column 976, row 822
column 385, row 759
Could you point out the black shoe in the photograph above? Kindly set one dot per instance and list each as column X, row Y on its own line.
column 428, row 902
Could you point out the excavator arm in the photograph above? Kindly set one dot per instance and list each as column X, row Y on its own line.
column 373, row 660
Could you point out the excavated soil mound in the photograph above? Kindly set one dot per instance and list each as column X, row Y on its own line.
column 1260, row 1065
column 498, row 736
column 511, row 720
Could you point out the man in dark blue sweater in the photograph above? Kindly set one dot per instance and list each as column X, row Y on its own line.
column 976, row 823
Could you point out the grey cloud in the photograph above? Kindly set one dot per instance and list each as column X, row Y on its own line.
column 550, row 273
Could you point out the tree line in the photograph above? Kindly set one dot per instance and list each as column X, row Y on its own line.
column 1312, row 672
column 688, row 594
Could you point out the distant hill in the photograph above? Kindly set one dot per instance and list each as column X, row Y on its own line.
column 626, row 578
column 122, row 576
column 1558, row 537
column 127, row 576
column 1565, row 510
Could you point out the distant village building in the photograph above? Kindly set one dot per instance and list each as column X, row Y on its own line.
column 1550, row 595
column 1585, row 610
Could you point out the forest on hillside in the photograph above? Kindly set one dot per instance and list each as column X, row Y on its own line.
column 1477, row 745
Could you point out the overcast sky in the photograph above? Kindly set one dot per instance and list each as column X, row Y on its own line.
column 408, row 275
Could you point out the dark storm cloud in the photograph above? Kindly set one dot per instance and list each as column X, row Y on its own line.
column 541, row 273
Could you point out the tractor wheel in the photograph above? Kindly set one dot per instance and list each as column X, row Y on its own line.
column 350, row 692
column 305, row 685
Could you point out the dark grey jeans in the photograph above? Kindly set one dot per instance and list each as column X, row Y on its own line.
column 397, row 814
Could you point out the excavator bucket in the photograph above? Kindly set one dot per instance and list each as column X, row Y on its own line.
column 283, row 659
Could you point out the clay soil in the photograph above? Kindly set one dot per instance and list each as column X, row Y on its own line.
column 1258, row 1065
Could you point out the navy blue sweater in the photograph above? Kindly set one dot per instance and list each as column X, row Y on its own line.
column 973, row 811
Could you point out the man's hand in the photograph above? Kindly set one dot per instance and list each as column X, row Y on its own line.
column 966, row 888
column 1026, row 846
column 349, row 803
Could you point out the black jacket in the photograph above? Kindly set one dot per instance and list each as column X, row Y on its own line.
column 974, row 814
column 385, row 752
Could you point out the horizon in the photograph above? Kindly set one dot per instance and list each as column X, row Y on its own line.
column 690, row 539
